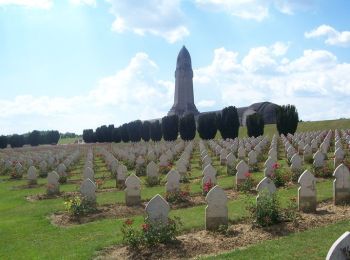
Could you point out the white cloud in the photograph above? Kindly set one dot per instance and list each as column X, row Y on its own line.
column 206, row 103
column 84, row 2
column 131, row 93
column 315, row 82
column 41, row 4
column 254, row 9
column 333, row 37
column 161, row 18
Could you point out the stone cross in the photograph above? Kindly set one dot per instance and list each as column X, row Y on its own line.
column 88, row 190
column 32, row 175
column 341, row 185
column 53, row 186
column 173, row 181
column 242, row 172
column 132, row 190
column 216, row 213
column 307, row 192
column 157, row 210
column 340, row 248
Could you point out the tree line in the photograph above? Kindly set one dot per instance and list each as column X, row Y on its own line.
column 208, row 124
column 33, row 138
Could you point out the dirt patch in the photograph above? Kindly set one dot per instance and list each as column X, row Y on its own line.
column 239, row 235
column 108, row 211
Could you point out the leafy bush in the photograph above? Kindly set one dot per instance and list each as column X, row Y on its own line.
column 255, row 125
column 287, row 119
column 16, row 174
column 178, row 196
column 152, row 181
column 62, row 179
column 140, row 170
column 207, row 187
column 248, row 183
column 150, row 234
column 78, row 206
column 267, row 210
column 280, row 177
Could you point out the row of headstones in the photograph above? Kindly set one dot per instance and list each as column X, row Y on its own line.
column 307, row 200
column 216, row 212
column 32, row 173
column 88, row 170
column 162, row 151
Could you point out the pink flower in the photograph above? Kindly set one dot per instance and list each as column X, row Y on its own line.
column 275, row 166
column 247, row 175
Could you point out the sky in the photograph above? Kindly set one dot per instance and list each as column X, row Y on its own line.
column 71, row 65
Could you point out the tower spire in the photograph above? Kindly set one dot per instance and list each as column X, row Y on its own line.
column 184, row 98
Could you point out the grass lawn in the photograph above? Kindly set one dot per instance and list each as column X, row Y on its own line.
column 26, row 231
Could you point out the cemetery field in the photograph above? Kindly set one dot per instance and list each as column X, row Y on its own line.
column 36, row 182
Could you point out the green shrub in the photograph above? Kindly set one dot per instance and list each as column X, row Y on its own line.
column 267, row 210
column 78, row 206
column 178, row 196
column 248, row 183
column 150, row 234
column 140, row 170
column 152, row 181
column 62, row 179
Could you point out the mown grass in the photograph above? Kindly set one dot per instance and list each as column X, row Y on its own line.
column 26, row 231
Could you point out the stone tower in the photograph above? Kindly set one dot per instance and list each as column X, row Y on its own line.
column 183, row 99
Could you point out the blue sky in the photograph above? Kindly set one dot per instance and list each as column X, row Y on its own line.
column 77, row 64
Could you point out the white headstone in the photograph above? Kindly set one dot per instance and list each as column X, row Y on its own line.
column 88, row 190
column 307, row 192
column 173, row 181
column 132, row 190
column 216, row 213
column 340, row 248
column 157, row 210
column 341, row 185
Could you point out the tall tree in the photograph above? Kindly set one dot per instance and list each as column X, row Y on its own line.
column 146, row 131
column 207, row 126
column 116, row 137
column 88, row 135
column 34, row 138
column 255, row 125
column 134, row 130
column 3, row 141
column 228, row 122
column 287, row 119
column 187, row 127
column 156, row 131
column 170, row 127
column 124, row 133
column 16, row 140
